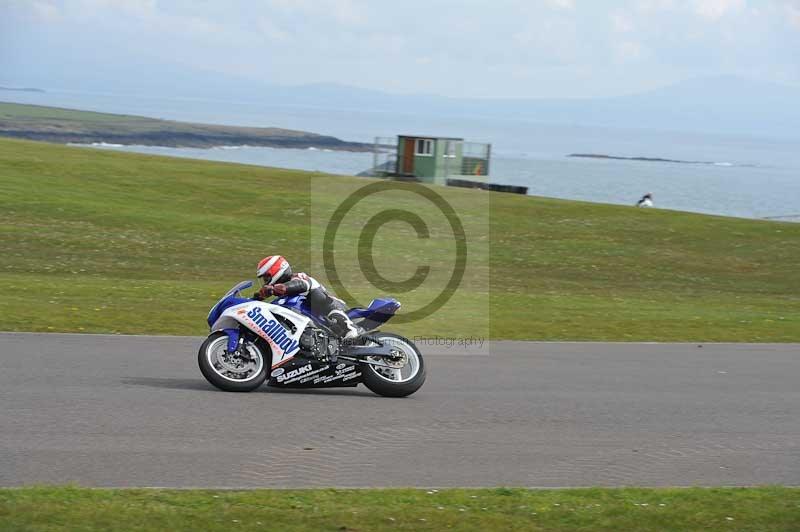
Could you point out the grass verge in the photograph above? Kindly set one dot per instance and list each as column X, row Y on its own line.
column 100, row 241
column 631, row 509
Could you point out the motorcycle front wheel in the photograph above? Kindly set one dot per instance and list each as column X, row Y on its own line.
column 407, row 374
column 242, row 371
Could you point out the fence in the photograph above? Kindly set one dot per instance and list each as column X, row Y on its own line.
column 384, row 158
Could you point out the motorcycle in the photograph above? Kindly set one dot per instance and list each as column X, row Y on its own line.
column 286, row 344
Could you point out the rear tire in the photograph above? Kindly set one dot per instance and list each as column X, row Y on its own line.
column 225, row 377
column 382, row 384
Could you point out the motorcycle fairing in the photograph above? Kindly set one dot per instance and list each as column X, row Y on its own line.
column 269, row 322
column 230, row 299
column 377, row 313
column 305, row 372
column 300, row 304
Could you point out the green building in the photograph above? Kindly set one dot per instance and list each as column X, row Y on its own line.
column 435, row 159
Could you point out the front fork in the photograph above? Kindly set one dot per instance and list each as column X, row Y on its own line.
column 235, row 339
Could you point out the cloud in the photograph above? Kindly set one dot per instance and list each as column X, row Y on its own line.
column 454, row 47
column 716, row 9
column 622, row 22
column 45, row 10
column 128, row 7
column 268, row 28
column 629, row 51
column 654, row 6
column 792, row 10
column 348, row 12
column 561, row 4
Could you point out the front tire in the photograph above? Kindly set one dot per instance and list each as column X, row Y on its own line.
column 396, row 382
column 232, row 372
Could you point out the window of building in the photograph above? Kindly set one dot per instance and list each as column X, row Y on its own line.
column 450, row 149
column 424, row 147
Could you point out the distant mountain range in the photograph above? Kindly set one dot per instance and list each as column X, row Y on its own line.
column 714, row 104
column 20, row 89
column 718, row 105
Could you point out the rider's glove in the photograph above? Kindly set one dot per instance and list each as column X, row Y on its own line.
column 265, row 292
column 278, row 289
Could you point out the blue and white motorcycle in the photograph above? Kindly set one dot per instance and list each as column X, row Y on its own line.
column 284, row 342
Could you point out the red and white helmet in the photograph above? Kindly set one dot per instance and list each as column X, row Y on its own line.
column 274, row 269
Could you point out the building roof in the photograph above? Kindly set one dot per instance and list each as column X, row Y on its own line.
column 427, row 137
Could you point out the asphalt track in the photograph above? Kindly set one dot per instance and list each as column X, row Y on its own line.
column 135, row 411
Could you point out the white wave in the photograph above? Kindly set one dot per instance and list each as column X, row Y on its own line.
column 312, row 148
column 723, row 164
column 106, row 145
column 235, row 147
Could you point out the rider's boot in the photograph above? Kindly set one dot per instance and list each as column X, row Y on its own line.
column 342, row 324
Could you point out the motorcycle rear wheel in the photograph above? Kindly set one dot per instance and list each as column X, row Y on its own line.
column 398, row 382
column 229, row 372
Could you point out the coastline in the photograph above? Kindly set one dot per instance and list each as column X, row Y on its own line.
column 647, row 159
column 188, row 140
column 71, row 126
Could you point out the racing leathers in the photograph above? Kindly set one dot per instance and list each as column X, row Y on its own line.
column 320, row 301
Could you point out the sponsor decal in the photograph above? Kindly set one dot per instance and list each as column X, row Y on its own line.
column 345, row 374
column 327, row 379
column 351, row 376
column 309, row 376
column 340, row 366
column 288, row 377
column 277, row 372
column 273, row 331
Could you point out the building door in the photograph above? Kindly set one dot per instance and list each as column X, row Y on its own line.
column 408, row 157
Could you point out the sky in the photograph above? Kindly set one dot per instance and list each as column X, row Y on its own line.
column 464, row 48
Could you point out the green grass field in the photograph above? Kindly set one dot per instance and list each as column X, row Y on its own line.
column 101, row 241
column 629, row 509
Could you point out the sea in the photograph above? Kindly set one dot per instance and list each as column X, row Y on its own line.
column 734, row 175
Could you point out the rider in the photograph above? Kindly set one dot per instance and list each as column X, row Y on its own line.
column 277, row 280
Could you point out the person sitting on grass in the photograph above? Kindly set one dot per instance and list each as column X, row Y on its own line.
column 646, row 201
